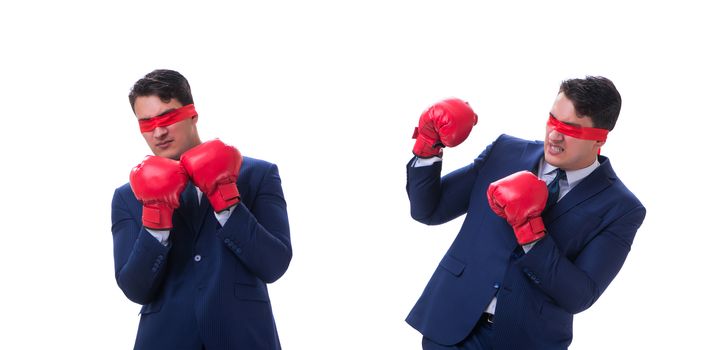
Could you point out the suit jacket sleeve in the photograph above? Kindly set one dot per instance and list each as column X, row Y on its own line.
column 139, row 257
column 576, row 285
column 259, row 236
column 434, row 199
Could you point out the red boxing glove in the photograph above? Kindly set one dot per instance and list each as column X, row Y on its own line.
column 520, row 198
column 213, row 166
column 157, row 183
column 445, row 124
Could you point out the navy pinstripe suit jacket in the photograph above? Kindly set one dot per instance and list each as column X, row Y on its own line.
column 590, row 233
column 207, row 288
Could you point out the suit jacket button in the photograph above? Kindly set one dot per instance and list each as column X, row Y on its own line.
column 197, row 257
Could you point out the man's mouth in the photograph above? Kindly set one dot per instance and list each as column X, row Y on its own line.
column 555, row 149
column 165, row 144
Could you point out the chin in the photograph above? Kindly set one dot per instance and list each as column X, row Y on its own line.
column 555, row 161
column 170, row 154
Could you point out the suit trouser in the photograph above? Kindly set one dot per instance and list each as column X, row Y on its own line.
column 479, row 339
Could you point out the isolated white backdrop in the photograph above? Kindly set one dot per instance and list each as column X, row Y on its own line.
column 330, row 91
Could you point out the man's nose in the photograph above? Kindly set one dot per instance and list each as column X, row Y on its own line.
column 555, row 135
column 160, row 132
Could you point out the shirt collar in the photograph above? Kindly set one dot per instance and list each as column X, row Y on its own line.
column 573, row 176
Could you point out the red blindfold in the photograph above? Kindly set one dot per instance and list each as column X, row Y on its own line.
column 578, row 132
column 172, row 117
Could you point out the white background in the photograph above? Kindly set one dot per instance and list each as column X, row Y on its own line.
column 330, row 91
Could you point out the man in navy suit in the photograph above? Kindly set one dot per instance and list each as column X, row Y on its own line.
column 198, row 231
column 548, row 224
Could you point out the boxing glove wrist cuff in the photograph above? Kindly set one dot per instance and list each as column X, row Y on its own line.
column 530, row 231
column 426, row 147
column 224, row 196
column 157, row 217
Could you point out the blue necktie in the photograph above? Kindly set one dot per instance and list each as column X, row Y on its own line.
column 553, row 188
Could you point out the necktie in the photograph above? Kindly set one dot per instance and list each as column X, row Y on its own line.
column 553, row 188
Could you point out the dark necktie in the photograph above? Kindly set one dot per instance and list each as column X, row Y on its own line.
column 553, row 188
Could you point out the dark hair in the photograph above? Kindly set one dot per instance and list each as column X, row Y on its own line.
column 164, row 83
column 594, row 97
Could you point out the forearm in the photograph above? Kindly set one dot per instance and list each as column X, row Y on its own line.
column 423, row 187
column 570, row 287
column 264, row 250
column 139, row 273
column 434, row 199
column 139, row 258
column 576, row 284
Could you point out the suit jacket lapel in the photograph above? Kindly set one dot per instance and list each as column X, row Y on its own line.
column 597, row 181
column 531, row 156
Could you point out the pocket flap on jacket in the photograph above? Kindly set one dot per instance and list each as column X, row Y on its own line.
column 452, row 265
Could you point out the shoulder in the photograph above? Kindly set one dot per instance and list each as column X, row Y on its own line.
column 255, row 164
column 506, row 145
column 123, row 192
column 254, row 169
column 124, row 198
column 505, row 139
column 622, row 190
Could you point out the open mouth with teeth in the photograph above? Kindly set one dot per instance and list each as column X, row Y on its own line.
column 555, row 149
